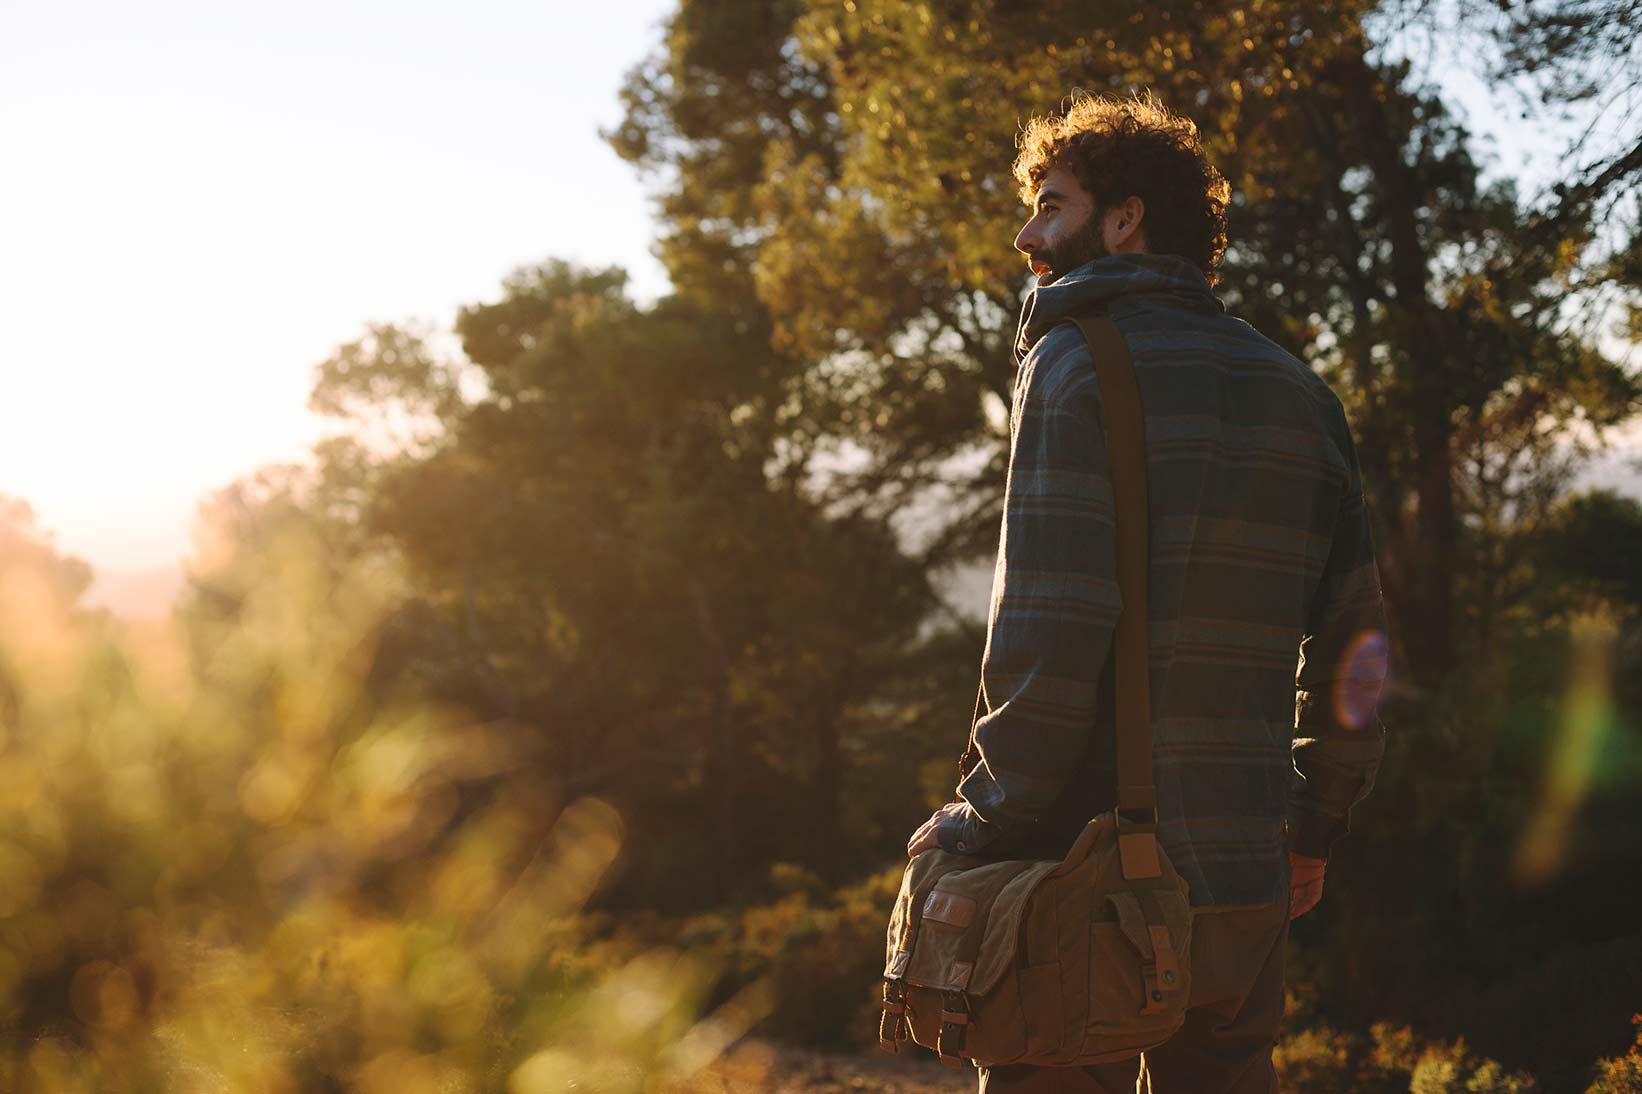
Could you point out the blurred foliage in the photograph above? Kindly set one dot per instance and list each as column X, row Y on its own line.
column 1622, row 1074
column 678, row 628
column 228, row 865
column 1389, row 1061
column 564, row 720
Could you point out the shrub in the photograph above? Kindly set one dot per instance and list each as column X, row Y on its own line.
column 1621, row 1074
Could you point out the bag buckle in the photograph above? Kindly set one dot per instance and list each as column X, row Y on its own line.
column 892, row 1024
column 949, row 1043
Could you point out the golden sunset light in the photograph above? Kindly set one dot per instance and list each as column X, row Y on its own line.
column 821, row 547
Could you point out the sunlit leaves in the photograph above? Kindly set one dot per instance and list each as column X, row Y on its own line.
column 318, row 889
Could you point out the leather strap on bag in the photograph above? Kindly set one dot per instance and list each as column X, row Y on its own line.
column 1126, row 455
column 1141, row 920
column 949, row 1045
column 892, row 1024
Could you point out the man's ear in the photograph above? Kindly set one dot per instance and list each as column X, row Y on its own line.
column 1125, row 220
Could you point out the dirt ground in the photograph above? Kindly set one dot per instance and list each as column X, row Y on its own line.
column 766, row 1069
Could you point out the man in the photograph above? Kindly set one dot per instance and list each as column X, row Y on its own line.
column 1259, row 547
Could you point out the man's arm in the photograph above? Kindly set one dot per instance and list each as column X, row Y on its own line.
column 1055, row 602
column 1338, row 737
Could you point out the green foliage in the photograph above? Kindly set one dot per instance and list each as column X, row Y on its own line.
column 821, row 955
column 228, row 865
column 1443, row 308
column 1389, row 1061
column 543, row 733
column 1621, row 1074
column 880, row 134
column 686, row 632
column 1594, row 538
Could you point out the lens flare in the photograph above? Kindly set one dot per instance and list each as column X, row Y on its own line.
column 1365, row 663
column 1584, row 722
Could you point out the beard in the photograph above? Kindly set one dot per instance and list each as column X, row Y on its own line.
column 1084, row 245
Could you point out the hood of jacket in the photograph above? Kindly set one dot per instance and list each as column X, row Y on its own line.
column 1114, row 284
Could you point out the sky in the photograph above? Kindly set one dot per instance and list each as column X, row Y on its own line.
column 200, row 201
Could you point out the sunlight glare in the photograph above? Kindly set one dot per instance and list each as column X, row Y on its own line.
column 1586, row 719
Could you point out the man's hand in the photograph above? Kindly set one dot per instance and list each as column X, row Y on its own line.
column 1305, row 883
column 927, row 837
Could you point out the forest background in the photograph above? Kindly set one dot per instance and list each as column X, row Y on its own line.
column 563, row 721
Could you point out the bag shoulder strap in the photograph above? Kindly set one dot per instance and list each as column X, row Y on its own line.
column 1126, row 455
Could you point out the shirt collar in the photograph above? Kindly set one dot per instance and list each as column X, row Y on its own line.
column 1101, row 282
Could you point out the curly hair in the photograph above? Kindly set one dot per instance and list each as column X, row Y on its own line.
column 1136, row 146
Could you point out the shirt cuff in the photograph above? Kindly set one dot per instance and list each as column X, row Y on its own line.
column 966, row 833
column 1313, row 834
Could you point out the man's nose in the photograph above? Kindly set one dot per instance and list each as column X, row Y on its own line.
column 1027, row 241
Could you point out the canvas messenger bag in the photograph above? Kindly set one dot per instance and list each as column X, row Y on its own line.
column 1078, row 961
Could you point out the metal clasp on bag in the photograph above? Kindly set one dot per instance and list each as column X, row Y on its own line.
column 949, row 1043
column 892, row 1025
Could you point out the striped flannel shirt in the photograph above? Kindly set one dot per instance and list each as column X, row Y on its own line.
column 1267, row 631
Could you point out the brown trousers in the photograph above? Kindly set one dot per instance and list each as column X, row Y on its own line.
column 1225, row 1045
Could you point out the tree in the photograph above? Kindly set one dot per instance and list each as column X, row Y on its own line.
column 39, row 586
column 27, row 553
column 1567, row 52
column 1363, row 241
column 600, row 552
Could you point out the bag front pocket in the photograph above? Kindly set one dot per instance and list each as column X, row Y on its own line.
column 1118, row 1024
column 1040, row 988
column 1116, row 993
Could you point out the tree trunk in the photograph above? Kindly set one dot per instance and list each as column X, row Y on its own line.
column 1426, row 568
column 829, row 785
column 720, row 764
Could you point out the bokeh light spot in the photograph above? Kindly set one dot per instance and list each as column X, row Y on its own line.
column 1357, row 688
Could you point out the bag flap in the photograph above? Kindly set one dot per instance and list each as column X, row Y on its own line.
column 921, row 874
column 970, row 925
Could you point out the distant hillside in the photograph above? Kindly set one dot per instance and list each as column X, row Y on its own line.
column 137, row 594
